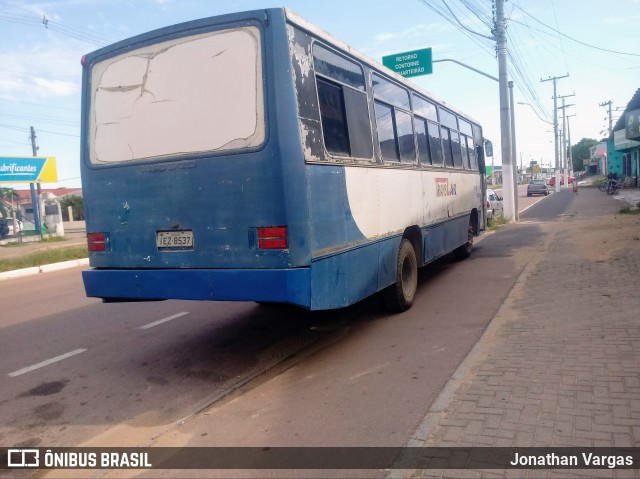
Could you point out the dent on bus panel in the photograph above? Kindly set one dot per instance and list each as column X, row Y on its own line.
column 182, row 96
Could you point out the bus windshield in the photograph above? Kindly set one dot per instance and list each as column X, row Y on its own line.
column 188, row 95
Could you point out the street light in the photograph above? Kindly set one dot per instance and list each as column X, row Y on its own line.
column 534, row 110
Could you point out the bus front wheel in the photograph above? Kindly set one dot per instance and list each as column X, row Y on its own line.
column 399, row 296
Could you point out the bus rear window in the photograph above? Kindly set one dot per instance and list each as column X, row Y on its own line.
column 190, row 95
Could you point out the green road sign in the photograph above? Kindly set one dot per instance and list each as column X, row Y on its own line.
column 410, row 64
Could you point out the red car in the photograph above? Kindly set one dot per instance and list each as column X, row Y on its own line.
column 552, row 181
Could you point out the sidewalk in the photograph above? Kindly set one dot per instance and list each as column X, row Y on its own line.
column 560, row 363
column 30, row 245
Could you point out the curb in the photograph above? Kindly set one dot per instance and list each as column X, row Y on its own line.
column 46, row 268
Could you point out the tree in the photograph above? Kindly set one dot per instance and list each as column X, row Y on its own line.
column 582, row 151
column 76, row 203
column 9, row 194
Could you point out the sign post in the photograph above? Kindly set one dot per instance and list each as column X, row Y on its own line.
column 410, row 64
column 29, row 169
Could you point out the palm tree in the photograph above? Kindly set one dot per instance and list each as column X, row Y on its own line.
column 8, row 193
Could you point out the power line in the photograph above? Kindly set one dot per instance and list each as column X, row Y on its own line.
column 447, row 16
column 16, row 128
column 45, row 119
column 12, row 127
column 59, row 134
column 41, row 105
column 569, row 37
column 72, row 32
column 13, row 141
column 520, row 76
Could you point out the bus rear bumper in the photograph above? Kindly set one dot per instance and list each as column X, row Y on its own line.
column 268, row 285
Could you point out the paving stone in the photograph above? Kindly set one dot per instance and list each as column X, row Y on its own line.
column 570, row 377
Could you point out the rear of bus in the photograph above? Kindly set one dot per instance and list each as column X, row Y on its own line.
column 185, row 191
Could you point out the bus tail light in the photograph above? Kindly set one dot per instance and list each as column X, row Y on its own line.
column 97, row 241
column 273, row 237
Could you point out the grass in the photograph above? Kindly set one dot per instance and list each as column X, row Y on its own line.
column 45, row 239
column 630, row 210
column 496, row 222
column 40, row 258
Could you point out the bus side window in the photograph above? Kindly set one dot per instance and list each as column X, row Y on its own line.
column 334, row 120
column 473, row 161
column 446, row 143
column 358, row 123
column 423, row 141
column 405, row 137
column 470, row 159
column 386, row 132
column 456, row 148
column 435, row 143
column 393, row 120
column 344, row 109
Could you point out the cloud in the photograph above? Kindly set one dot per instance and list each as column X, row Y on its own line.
column 40, row 71
column 411, row 33
column 49, row 87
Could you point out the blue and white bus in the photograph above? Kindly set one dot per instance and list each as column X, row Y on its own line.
column 253, row 157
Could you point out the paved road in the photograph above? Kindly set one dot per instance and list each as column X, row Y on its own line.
column 80, row 372
column 137, row 374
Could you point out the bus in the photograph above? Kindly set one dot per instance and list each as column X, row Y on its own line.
column 254, row 157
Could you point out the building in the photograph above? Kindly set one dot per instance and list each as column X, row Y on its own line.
column 598, row 163
column 624, row 143
column 24, row 205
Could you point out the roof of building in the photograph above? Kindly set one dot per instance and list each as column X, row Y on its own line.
column 25, row 195
column 634, row 104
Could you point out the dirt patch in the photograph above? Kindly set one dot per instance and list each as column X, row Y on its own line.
column 46, row 389
column 49, row 412
column 611, row 236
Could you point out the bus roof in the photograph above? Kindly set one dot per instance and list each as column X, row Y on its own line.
column 319, row 32
column 292, row 17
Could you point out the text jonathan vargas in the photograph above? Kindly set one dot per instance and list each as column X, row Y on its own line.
column 585, row 459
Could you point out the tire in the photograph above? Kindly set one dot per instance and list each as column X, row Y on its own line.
column 399, row 296
column 603, row 186
column 464, row 251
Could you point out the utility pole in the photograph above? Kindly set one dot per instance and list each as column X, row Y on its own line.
column 507, row 128
column 609, row 103
column 555, row 128
column 505, row 120
column 35, row 199
column 569, row 152
column 564, row 156
column 514, row 162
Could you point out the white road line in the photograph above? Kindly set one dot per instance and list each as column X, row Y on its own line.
column 161, row 321
column 46, row 363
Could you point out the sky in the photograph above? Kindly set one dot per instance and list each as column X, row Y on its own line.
column 594, row 42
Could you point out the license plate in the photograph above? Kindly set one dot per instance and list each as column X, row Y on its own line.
column 174, row 240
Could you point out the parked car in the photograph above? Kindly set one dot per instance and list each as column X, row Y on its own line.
column 6, row 227
column 494, row 204
column 19, row 227
column 537, row 187
column 552, row 181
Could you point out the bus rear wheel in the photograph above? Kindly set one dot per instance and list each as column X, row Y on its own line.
column 399, row 296
column 464, row 251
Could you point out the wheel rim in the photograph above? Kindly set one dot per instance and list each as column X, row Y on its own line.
column 408, row 277
column 470, row 237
